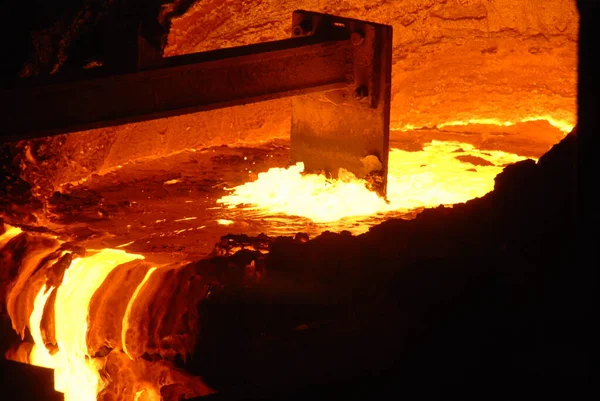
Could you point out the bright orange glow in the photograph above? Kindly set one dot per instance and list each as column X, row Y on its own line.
column 566, row 124
column 431, row 177
column 79, row 375
column 147, row 394
column 39, row 355
column 9, row 234
column 75, row 373
column 563, row 125
column 125, row 322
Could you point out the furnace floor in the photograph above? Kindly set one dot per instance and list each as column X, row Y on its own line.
column 168, row 205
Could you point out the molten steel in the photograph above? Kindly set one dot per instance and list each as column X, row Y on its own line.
column 431, row 177
column 75, row 372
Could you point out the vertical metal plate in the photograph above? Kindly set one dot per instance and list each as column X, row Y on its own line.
column 347, row 128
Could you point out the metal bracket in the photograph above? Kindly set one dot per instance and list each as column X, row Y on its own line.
column 347, row 127
column 339, row 69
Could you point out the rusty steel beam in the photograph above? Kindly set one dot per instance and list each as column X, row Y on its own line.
column 338, row 70
column 178, row 85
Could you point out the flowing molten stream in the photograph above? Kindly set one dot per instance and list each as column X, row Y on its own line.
column 431, row 177
column 76, row 374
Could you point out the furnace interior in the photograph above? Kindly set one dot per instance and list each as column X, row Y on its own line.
column 455, row 62
column 500, row 76
column 497, row 75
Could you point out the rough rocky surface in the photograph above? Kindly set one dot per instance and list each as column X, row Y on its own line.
column 49, row 162
column 453, row 59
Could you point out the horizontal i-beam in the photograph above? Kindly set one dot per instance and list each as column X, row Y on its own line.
column 179, row 85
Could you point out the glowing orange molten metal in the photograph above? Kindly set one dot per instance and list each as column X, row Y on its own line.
column 563, row 121
column 437, row 175
column 60, row 320
column 75, row 372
